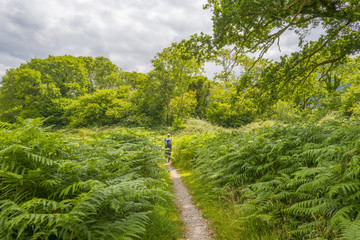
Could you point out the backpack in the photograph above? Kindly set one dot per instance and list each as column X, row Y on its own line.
column 167, row 142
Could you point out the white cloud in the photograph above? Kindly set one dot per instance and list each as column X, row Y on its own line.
column 7, row 62
column 288, row 43
column 3, row 69
column 129, row 33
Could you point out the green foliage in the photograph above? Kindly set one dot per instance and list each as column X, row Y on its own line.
column 285, row 111
column 307, row 78
column 201, row 86
column 299, row 181
column 186, row 149
column 67, row 74
column 183, row 106
column 21, row 94
column 228, row 108
column 102, row 73
column 103, row 107
column 256, row 25
column 105, row 185
column 198, row 126
column 40, row 88
column 174, row 68
column 73, row 90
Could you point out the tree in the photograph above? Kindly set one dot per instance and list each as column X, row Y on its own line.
column 103, row 107
column 349, row 76
column 147, row 103
column 230, row 107
column 42, row 88
column 134, row 79
column 201, row 86
column 68, row 73
column 236, row 100
column 20, row 94
column 183, row 106
column 102, row 73
column 46, row 87
column 173, row 69
column 255, row 25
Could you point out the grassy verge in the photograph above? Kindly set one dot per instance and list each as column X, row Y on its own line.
column 222, row 212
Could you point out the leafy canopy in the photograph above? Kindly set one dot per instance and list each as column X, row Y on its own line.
column 256, row 25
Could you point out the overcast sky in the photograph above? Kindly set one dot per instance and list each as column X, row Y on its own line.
column 128, row 32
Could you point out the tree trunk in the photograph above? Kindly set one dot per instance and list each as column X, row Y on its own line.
column 181, row 105
column 167, row 110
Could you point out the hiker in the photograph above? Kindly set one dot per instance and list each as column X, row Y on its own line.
column 168, row 144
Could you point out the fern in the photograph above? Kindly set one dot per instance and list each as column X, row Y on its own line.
column 350, row 229
column 302, row 179
column 4, row 125
column 104, row 186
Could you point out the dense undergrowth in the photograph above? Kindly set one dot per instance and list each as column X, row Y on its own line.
column 76, row 185
column 277, row 182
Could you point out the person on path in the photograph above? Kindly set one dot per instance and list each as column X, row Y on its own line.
column 168, row 144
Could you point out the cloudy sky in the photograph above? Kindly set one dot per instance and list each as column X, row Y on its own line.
column 128, row 32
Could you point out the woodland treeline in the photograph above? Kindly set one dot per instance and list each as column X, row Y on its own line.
column 322, row 76
column 83, row 91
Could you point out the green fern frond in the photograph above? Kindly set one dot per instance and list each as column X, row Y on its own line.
column 343, row 215
column 40, row 159
column 79, row 186
column 322, row 206
column 346, row 188
column 5, row 125
column 10, row 176
column 311, row 230
column 350, row 230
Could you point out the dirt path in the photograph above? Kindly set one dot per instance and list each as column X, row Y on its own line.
column 196, row 226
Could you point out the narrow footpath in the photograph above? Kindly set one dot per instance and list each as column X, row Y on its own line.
column 196, row 226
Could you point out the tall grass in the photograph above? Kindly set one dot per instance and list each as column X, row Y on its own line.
column 299, row 182
column 105, row 185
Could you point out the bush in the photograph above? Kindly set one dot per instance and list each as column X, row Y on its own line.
column 104, row 107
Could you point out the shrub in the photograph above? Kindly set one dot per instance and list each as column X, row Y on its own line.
column 104, row 107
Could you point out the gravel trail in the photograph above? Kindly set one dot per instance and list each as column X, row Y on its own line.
column 196, row 226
